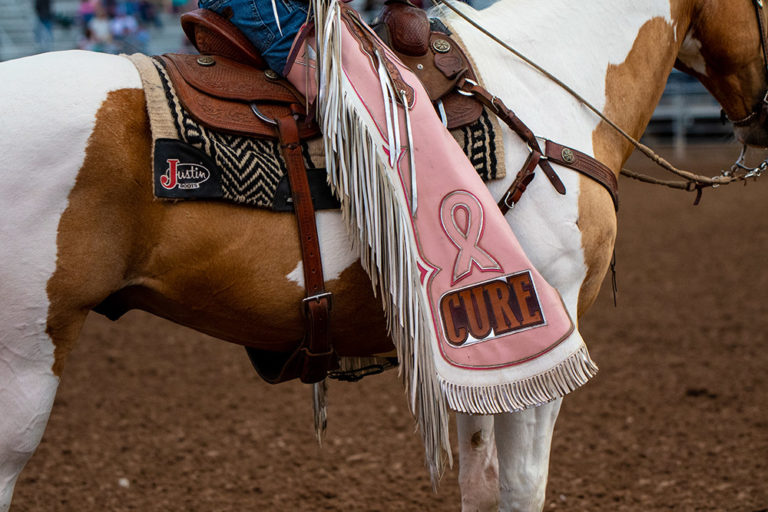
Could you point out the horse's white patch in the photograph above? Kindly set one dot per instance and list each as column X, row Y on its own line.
column 580, row 56
column 50, row 103
column 690, row 54
column 578, row 46
column 335, row 248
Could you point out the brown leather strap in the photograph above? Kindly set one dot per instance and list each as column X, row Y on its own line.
column 585, row 164
column 557, row 153
column 515, row 123
column 317, row 354
column 523, row 178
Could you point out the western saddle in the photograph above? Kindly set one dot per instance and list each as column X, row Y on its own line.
column 228, row 87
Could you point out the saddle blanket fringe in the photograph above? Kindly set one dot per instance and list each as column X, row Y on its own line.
column 248, row 170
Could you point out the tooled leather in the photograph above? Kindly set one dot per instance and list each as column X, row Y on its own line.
column 371, row 45
column 461, row 110
column 586, row 165
column 227, row 115
column 438, row 72
column 408, row 28
column 451, row 63
column 212, row 34
column 228, row 79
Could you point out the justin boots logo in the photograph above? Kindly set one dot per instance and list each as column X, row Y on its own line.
column 490, row 309
column 184, row 176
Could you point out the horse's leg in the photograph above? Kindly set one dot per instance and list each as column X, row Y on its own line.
column 523, row 440
column 478, row 466
column 28, row 386
column 26, row 397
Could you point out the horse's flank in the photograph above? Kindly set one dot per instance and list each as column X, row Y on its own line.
column 221, row 269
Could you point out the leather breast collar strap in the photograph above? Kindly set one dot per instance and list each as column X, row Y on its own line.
column 540, row 156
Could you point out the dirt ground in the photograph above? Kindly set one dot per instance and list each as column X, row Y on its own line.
column 154, row 417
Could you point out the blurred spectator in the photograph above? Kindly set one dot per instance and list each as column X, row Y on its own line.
column 181, row 6
column 86, row 10
column 44, row 25
column 128, row 35
column 99, row 31
column 123, row 25
column 110, row 6
column 148, row 14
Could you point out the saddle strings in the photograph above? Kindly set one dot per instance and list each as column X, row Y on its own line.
column 692, row 181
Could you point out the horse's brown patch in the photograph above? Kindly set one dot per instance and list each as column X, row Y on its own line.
column 215, row 267
column 730, row 45
column 91, row 241
column 633, row 88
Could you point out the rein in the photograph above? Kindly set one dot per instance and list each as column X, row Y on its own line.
column 691, row 181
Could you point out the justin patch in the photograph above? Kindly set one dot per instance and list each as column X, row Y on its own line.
column 182, row 171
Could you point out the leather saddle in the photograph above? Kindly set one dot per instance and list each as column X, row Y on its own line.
column 228, row 87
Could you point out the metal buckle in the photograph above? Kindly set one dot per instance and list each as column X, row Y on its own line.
column 318, row 298
column 506, row 199
column 465, row 93
column 542, row 147
column 441, row 111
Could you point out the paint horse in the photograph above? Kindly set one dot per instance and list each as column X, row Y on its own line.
column 79, row 223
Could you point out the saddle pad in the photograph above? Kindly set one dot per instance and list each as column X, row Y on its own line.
column 192, row 161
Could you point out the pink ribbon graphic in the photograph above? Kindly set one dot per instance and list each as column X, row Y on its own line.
column 462, row 217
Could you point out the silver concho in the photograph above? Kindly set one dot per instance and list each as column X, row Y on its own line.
column 206, row 60
column 441, row 46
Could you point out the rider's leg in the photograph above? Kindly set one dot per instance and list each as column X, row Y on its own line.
column 478, row 465
column 256, row 19
column 523, row 441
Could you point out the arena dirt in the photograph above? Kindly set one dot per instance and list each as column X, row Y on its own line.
column 154, row 417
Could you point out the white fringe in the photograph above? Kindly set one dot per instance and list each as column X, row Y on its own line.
column 539, row 389
column 376, row 212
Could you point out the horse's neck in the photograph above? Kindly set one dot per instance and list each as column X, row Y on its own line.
column 615, row 53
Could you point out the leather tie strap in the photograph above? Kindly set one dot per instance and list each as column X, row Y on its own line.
column 498, row 107
column 523, row 178
column 559, row 154
column 318, row 355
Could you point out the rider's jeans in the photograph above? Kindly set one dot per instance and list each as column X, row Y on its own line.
column 256, row 19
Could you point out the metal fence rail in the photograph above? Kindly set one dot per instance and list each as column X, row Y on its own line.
column 686, row 109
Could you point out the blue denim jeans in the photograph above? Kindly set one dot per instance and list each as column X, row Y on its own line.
column 256, row 19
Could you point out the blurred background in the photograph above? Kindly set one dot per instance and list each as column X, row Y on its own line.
column 686, row 113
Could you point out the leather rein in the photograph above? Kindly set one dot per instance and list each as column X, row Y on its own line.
column 738, row 172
